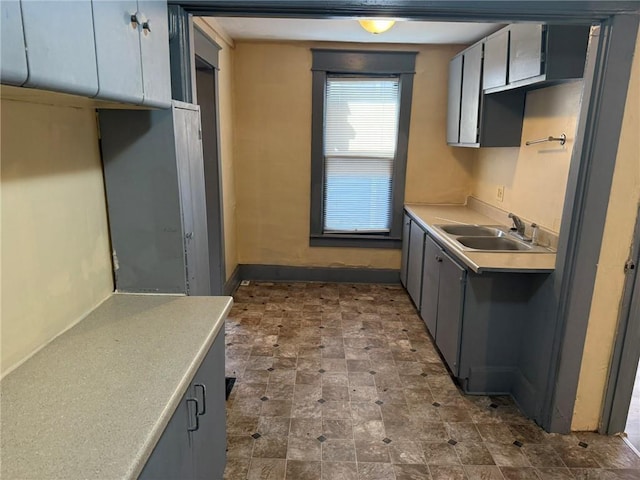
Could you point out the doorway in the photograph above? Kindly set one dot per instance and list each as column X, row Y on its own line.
column 205, row 95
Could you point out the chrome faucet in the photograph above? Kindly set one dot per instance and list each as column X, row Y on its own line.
column 518, row 225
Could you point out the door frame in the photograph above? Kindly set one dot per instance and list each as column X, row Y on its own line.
column 626, row 352
column 607, row 71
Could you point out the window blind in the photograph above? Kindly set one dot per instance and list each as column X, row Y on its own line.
column 360, row 138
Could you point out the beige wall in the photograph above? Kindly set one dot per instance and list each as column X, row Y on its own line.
column 225, row 111
column 534, row 177
column 618, row 235
column 272, row 140
column 56, row 262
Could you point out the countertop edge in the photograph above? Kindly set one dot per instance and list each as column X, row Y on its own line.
column 163, row 420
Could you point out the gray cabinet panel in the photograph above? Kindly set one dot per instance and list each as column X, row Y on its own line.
column 13, row 55
column 454, row 95
column 496, row 47
column 172, row 457
column 192, row 193
column 209, row 442
column 414, row 264
column 406, row 228
column 525, row 51
column 470, row 107
column 61, row 53
column 154, row 51
column 118, row 50
column 143, row 200
column 430, row 284
column 450, row 302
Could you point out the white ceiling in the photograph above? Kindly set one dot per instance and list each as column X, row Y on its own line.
column 350, row 31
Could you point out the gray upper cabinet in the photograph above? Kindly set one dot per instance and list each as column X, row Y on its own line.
column 61, row 51
column 132, row 37
column 13, row 55
column 496, row 51
column 525, row 52
column 154, row 51
column 471, row 88
column 118, row 50
column 454, row 96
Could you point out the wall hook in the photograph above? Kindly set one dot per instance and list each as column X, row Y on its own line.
column 562, row 139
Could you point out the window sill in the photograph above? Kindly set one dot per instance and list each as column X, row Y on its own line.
column 358, row 241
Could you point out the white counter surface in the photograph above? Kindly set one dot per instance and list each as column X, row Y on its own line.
column 428, row 215
column 94, row 402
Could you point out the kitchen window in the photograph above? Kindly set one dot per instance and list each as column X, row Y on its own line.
column 361, row 110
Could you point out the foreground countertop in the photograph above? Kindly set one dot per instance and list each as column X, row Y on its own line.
column 94, row 402
column 428, row 215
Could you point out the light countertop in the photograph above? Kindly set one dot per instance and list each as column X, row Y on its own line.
column 428, row 215
column 94, row 402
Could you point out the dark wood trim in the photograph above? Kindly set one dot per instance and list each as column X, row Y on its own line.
column 284, row 273
column 363, row 61
column 607, row 71
column 232, row 284
column 325, row 62
column 565, row 11
column 355, row 240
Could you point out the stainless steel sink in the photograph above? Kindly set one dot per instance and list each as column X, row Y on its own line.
column 493, row 243
column 472, row 230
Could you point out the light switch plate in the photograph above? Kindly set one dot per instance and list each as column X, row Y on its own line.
column 500, row 193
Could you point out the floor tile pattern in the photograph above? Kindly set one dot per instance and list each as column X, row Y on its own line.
column 342, row 382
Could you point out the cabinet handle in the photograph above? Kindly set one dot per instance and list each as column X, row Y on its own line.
column 204, row 398
column 197, row 426
column 135, row 20
column 438, row 258
column 189, row 235
column 146, row 25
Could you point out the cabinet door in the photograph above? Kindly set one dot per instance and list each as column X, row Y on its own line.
column 525, row 51
column 414, row 265
column 209, row 442
column 430, row 284
column 406, row 227
column 61, row 51
column 450, row 301
column 172, row 456
column 118, row 50
column 13, row 55
column 454, row 96
column 494, row 68
column 192, row 198
column 154, row 51
column 470, row 108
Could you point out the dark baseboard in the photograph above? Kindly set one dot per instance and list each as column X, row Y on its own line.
column 232, row 284
column 283, row 273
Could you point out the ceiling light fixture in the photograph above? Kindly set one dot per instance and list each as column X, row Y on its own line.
column 376, row 25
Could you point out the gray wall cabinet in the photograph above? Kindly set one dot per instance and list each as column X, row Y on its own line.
column 61, row 51
column 154, row 181
column 414, row 263
column 109, row 49
column 487, row 91
column 478, row 321
column 193, row 445
column 13, row 55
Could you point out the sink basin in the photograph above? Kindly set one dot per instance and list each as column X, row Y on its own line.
column 472, row 230
column 492, row 243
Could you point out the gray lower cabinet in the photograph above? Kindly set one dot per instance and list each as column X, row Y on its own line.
column 13, row 55
column 406, row 228
column 61, row 51
column 193, row 445
column 443, row 285
column 154, row 179
column 414, row 263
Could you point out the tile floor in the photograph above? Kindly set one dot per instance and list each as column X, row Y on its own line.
column 342, row 382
